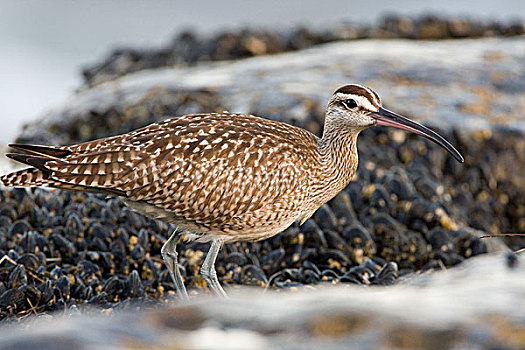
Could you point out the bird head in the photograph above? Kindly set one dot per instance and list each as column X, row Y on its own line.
column 357, row 107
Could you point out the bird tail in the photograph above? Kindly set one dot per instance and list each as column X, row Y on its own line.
column 31, row 177
column 39, row 175
column 36, row 176
column 44, row 151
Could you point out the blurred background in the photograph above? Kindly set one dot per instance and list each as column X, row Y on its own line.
column 46, row 43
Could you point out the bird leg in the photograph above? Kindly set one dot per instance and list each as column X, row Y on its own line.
column 169, row 254
column 208, row 268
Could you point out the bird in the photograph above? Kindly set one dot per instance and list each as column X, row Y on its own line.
column 219, row 177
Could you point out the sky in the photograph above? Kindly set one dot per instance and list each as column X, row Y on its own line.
column 44, row 44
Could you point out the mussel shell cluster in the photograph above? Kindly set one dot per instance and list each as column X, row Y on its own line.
column 410, row 209
column 64, row 250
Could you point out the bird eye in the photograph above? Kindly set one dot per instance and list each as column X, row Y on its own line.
column 350, row 103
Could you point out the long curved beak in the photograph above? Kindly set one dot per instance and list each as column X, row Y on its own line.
column 387, row 118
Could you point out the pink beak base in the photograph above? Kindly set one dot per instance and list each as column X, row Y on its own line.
column 384, row 117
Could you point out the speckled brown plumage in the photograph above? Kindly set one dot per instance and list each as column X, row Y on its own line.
column 220, row 177
column 235, row 175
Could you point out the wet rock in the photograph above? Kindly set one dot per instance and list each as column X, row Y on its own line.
column 46, row 292
column 234, row 259
column 399, row 186
column 333, row 259
column 30, row 261
column 137, row 253
column 467, row 243
column 358, row 274
column 56, row 273
column 99, row 299
column 74, row 225
column 65, row 248
column 388, row 235
column 309, row 273
column 415, row 250
column 428, row 188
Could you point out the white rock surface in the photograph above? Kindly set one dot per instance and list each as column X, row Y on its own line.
column 479, row 304
column 470, row 83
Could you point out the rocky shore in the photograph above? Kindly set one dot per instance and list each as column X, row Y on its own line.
column 411, row 209
column 478, row 305
column 189, row 48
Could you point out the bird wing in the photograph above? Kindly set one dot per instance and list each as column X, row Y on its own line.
column 200, row 167
column 235, row 170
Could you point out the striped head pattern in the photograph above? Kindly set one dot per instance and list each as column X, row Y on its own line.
column 352, row 106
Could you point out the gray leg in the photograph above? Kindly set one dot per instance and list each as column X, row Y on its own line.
column 208, row 268
column 169, row 254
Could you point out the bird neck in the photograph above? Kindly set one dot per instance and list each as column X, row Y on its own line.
column 338, row 153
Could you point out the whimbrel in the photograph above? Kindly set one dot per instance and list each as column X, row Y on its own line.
column 219, row 177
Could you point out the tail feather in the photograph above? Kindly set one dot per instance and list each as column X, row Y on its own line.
column 41, row 175
column 35, row 161
column 31, row 177
column 46, row 151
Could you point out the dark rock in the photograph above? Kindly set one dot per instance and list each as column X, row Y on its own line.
column 512, row 260
column 32, row 296
column 234, row 259
column 46, row 292
column 137, row 253
column 65, row 248
column 380, row 199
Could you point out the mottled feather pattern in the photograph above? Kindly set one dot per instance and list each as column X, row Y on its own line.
column 228, row 174
column 220, row 177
